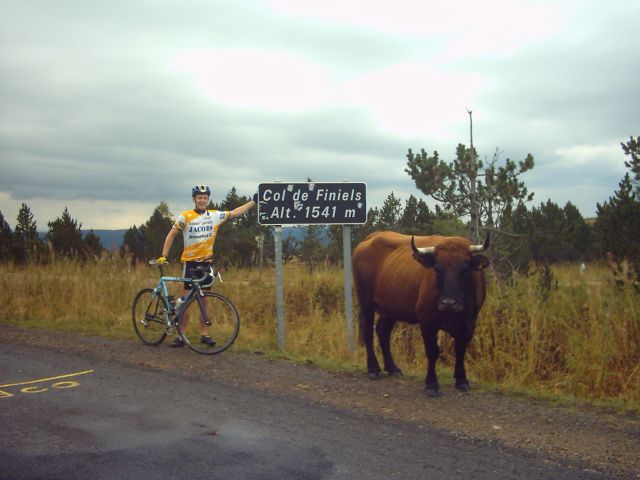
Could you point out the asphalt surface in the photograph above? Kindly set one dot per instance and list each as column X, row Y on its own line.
column 75, row 416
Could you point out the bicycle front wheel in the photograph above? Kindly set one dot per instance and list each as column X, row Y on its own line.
column 209, row 323
column 149, row 312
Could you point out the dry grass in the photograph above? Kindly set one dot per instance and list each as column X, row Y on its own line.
column 581, row 337
column 578, row 335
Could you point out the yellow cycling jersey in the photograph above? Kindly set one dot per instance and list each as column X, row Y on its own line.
column 199, row 232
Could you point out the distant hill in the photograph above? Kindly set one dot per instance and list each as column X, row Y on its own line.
column 298, row 233
column 110, row 238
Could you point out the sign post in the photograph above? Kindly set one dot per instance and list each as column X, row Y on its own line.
column 313, row 203
column 348, row 299
column 279, row 287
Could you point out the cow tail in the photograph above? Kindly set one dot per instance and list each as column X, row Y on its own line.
column 365, row 323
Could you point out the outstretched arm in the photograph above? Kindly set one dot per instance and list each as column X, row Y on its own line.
column 242, row 209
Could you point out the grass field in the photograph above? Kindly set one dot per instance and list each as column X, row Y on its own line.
column 569, row 334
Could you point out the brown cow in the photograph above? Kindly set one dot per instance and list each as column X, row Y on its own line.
column 439, row 285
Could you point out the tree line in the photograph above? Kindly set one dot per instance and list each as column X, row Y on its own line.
column 470, row 196
column 64, row 239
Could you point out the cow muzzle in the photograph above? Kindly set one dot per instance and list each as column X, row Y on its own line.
column 450, row 305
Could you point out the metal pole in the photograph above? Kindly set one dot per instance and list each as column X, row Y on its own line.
column 348, row 301
column 261, row 251
column 260, row 243
column 279, row 287
column 473, row 168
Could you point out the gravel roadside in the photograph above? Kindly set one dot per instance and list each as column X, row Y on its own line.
column 584, row 436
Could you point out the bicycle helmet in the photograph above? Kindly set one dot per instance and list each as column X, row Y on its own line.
column 200, row 190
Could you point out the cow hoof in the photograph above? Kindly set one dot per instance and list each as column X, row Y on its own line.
column 374, row 375
column 395, row 372
column 463, row 386
column 433, row 390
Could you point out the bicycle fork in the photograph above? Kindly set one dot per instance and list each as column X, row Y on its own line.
column 200, row 298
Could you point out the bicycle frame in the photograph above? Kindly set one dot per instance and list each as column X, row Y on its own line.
column 161, row 288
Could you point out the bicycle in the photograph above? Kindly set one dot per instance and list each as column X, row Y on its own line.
column 155, row 317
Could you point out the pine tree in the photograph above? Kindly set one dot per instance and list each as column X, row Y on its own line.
column 311, row 249
column 632, row 149
column 466, row 187
column 146, row 241
column 546, row 242
column 28, row 245
column 578, row 236
column 65, row 236
column 7, row 250
column 513, row 252
column 417, row 218
column 133, row 244
column 409, row 219
column 154, row 232
column 618, row 222
column 390, row 213
column 92, row 246
column 334, row 248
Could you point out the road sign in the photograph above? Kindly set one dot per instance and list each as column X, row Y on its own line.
column 312, row 203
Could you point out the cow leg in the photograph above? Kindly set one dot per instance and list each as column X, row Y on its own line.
column 460, row 374
column 430, row 339
column 384, row 328
column 366, row 330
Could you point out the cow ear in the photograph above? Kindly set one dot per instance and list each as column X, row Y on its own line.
column 426, row 259
column 479, row 262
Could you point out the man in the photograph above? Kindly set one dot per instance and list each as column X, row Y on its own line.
column 199, row 228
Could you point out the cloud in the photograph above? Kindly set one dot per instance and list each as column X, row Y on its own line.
column 606, row 156
column 116, row 109
column 412, row 99
column 496, row 20
column 257, row 79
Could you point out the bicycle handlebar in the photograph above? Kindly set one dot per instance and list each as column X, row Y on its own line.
column 210, row 271
column 214, row 274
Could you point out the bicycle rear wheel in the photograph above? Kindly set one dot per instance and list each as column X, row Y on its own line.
column 213, row 315
column 149, row 312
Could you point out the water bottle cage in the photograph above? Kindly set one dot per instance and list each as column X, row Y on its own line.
column 179, row 303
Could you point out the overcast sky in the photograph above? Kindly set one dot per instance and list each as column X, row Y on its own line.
column 109, row 108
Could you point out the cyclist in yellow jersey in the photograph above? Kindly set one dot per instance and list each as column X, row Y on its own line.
column 199, row 228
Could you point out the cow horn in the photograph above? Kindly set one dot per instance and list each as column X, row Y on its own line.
column 480, row 248
column 423, row 250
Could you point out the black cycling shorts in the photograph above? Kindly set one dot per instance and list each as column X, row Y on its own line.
column 191, row 272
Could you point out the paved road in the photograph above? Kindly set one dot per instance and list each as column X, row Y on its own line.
column 74, row 416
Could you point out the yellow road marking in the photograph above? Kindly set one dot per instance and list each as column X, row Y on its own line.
column 33, row 390
column 31, row 382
